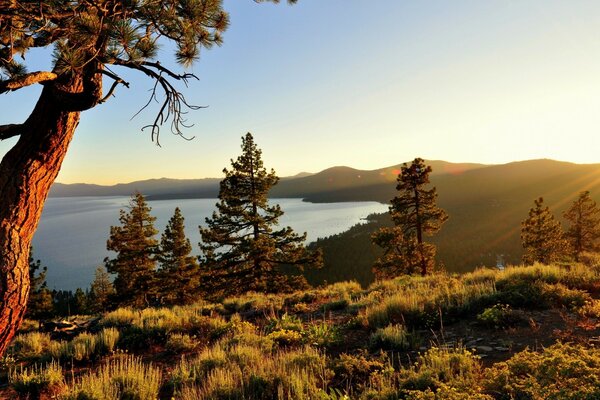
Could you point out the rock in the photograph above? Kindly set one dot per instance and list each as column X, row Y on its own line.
column 484, row 349
column 500, row 348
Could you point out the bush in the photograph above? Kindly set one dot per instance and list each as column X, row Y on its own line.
column 34, row 380
column 122, row 378
column 180, row 342
column 107, row 340
column 499, row 316
column 439, row 367
column 561, row 371
column 30, row 345
column 284, row 337
column 392, row 337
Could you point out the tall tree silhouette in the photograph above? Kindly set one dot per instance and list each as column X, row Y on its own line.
column 415, row 215
column 584, row 232
column 542, row 235
column 243, row 247
column 179, row 273
column 135, row 263
column 93, row 41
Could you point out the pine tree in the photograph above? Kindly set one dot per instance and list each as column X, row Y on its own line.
column 542, row 236
column 93, row 42
column 415, row 214
column 243, row 247
column 402, row 254
column 179, row 273
column 101, row 291
column 584, row 233
column 80, row 302
column 135, row 244
column 40, row 304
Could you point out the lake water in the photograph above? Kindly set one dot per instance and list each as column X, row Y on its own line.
column 71, row 237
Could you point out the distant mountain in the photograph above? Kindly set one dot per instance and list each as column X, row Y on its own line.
column 486, row 207
column 348, row 184
column 331, row 185
column 154, row 189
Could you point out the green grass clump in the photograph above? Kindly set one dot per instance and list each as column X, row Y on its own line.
column 298, row 374
column 30, row 345
column 392, row 337
column 499, row 316
column 107, row 340
column 121, row 378
column 180, row 343
column 443, row 369
column 31, row 381
column 416, row 303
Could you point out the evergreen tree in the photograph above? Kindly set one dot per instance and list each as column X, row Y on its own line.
column 81, row 302
column 101, row 291
column 179, row 274
column 93, row 42
column 415, row 215
column 402, row 254
column 243, row 247
column 584, row 232
column 40, row 304
column 542, row 236
column 135, row 244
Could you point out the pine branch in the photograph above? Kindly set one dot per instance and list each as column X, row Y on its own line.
column 29, row 79
column 10, row 130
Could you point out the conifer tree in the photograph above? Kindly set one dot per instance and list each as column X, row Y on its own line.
column 243, row 247
column 101, row 291
column 584, row 233
column 41, row 303
column 415, row 215
column 80, row 299
column 135, row 263
column 542, row 236
column 179, row 273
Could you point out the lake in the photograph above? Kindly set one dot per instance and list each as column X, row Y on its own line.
column 72, row 234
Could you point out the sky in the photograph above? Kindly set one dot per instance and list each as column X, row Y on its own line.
column 366, row 84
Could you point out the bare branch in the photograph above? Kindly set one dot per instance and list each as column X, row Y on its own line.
column 26, row 80
column 117, row 80
column 174, row 102
column 10, row 130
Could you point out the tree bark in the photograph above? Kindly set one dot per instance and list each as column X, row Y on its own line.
column 26, row 173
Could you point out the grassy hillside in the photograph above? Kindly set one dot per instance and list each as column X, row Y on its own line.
column 526, row 333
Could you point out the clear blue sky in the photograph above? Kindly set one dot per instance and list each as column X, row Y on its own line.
column 365, row 84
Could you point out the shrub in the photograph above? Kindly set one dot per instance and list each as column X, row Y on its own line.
column 30, row 345
column 499, row 316
column 284, row 337
column 323, row 334
column 354, row 371
column 34, row 380
column 83, row 347
column 439, row 367
column 392, row 337
column 107, row 340
column 561, row 371
column 122, row 378
column 181, row 342
column 285, row 322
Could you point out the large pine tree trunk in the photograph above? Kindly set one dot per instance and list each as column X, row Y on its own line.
column 26, row 173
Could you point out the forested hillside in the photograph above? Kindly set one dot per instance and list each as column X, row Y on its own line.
column 486, row 207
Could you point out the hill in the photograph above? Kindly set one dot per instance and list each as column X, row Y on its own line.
column 486, row 207
column 330, row 183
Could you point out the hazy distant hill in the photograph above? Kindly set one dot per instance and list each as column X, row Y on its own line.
column 486, row 207
column 333, row 184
